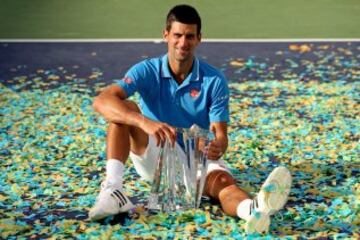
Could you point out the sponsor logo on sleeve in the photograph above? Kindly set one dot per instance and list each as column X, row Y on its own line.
column 127, row 80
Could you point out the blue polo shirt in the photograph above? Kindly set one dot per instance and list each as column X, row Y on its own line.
column 203, row 97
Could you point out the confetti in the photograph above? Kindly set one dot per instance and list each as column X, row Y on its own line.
column 302, row 112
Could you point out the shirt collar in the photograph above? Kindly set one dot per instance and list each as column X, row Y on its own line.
column 166, row 73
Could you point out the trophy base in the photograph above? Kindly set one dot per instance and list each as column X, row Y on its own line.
column 153, row 202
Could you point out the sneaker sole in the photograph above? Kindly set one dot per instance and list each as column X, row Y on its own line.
column 94, row 217
column 119, row 203
column 278, row 180
column 258, row 223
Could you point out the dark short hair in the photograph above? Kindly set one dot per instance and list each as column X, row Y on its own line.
column 185, row 14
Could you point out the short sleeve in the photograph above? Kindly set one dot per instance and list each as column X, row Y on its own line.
column 219, row 107
column 133, row 81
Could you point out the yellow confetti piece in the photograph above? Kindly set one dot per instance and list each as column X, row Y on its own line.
column 82, row 226
column 15, row 188
column 301, row 48
column 190, row 227
column 3, row 198
column 313, row 191
column 323, row 47
column 53, row 77
column 237, row 63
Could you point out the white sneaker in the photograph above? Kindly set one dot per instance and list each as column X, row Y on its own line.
column 110, row 201
column 274, row 192
column 272, row 197
column 258, row 222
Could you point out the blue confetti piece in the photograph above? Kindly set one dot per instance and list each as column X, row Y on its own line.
column 60, row 204
column 270, row 187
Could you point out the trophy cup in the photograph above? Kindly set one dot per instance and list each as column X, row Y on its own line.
column 179, row 177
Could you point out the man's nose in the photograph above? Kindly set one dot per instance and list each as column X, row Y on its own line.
column 183, row 41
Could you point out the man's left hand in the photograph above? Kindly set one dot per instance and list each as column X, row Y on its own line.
column 214, row 150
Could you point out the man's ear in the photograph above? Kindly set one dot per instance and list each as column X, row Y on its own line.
column 165, row 35
column 199, row 37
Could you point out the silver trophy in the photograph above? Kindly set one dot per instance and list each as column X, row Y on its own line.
column 180, row 175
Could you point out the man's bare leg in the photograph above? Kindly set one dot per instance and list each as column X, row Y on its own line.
column 123, row 138
column 221, row 186
column 234, row 201
column 120, row 140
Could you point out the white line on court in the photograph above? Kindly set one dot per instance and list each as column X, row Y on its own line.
column 215, row 40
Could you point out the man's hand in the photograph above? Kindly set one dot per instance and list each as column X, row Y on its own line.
column 161, row 131
column 214, row 150
column 218, row 146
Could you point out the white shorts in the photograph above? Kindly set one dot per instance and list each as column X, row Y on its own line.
column 145, row 164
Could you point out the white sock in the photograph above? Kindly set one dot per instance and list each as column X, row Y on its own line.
column 114, row 171
column 243, row 209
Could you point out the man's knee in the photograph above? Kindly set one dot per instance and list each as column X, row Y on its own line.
column 119, row 128
column 116, row 127
column 216, row 181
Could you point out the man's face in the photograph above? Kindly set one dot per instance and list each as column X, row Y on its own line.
column 182, row 40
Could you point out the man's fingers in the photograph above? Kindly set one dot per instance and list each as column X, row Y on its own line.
column 173, row 135
column 158, row 139
column 170, row 133
column 214, row 148
column 164, row 132
column 213, row 151
column 212, row 156
column 162, row 137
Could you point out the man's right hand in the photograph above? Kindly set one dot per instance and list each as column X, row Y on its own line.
column 161, row 131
